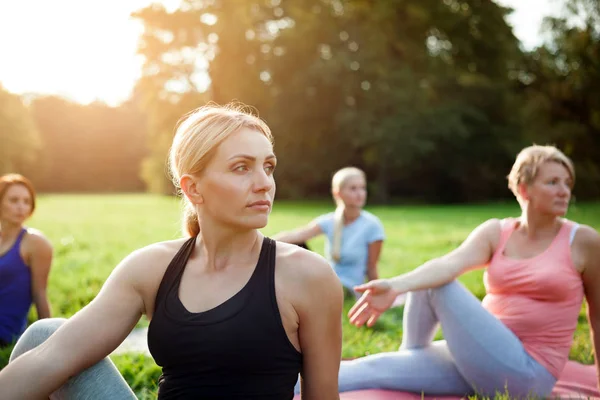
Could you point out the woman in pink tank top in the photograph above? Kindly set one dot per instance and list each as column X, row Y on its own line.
column 540, row 267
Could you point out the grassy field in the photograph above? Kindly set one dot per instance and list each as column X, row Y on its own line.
column 92, row 233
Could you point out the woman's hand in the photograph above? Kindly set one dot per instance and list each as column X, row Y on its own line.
column 378, row 296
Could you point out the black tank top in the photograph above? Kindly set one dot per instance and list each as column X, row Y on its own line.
column 237, row 350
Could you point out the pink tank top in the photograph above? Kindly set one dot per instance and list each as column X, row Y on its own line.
column 538, row 298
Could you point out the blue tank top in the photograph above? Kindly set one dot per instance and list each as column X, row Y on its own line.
column 15, row 292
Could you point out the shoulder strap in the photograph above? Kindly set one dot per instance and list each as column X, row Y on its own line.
column 265, row 266
column 21, row 236
column 174, row 270
column 507, row 226
column 573, row 230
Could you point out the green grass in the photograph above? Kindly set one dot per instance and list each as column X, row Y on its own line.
column 92, row 233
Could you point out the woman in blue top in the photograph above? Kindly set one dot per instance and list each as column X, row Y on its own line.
column 25, row 259
column 354, row 236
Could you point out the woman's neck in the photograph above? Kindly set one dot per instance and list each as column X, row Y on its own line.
column 351, row 214
column 8, row 231
column 537, row 225
column 220, row 246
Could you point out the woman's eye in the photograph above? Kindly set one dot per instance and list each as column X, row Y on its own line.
column 240, row 168
column 270, row 167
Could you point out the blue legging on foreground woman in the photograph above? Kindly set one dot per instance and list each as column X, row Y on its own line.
column 480, row 354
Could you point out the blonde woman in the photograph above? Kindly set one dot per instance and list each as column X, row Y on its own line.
column 229, row 313
column 539, row 268
column 354, row 236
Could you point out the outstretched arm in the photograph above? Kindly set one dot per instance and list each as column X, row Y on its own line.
column 83, row 340
column 474, row 252
column 379, row 295
column 299, row 235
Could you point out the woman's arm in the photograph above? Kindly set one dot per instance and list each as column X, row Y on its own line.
column 379, row 295
column 474, row 252
column 39, row 261
column 373, row 259
column 83, row 340
column 588, row 240
column 319, row 306
column 299, row 235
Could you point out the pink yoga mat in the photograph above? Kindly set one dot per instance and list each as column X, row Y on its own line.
column 577, row 381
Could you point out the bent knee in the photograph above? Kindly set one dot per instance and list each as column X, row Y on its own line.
column 36, row 334
column 452, row 285
column 44, row 327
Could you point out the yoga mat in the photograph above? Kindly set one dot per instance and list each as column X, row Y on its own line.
column 577, row 381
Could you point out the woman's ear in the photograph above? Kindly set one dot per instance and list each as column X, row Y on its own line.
column 191, row 189
column 522, row 190
column 335, row 193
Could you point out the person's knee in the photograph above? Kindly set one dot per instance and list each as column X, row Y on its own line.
column 44, row 328
column 443, row 289
column 417, row 294
column 36, row 334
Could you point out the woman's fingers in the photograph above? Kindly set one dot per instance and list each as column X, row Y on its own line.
column 361, row 315
column 359, row 303
column 374, row 317
column 362, row 311
column 362, row 288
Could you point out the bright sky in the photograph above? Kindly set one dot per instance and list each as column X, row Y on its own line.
column 85, row 50
column 527, row 18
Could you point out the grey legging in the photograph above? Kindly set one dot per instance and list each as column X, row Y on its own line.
column 480, row 354
column 100, row 381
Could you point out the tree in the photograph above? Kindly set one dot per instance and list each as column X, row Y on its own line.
column 561, row 82
column 423, row 95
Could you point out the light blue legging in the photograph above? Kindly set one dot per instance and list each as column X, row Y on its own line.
column 480, row 354
column 100, row 381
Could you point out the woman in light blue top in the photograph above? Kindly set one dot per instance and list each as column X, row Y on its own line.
column 354, row 236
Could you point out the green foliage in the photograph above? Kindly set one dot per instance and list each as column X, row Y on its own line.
column 423, row 95
column 561, row 86
column 385, row 85
column 431, row 98
column 140, row 372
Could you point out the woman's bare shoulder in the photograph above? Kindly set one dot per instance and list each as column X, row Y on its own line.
column 291, row 256
column 304, row 269
column 155, row 255
column 585, row 249
column 36, row 239
column 146, row 266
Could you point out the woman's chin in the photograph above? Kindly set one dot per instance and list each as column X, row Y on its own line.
column 256, row 222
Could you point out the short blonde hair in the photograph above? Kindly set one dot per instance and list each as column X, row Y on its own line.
column 337, row 183
column 528, row 162
column 196, row 139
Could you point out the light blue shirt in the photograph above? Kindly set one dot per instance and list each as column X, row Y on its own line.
column 354, row 253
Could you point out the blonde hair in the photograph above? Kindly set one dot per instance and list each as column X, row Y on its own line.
column 340, row 178
column 528, row 162
column 196, row 139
